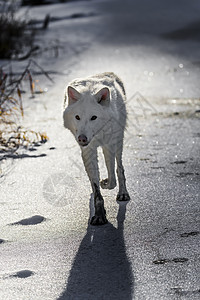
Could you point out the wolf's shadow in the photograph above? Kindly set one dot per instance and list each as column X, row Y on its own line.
column 101, row 269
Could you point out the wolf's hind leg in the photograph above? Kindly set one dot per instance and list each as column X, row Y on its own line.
column 122, row 194
column 110, row 182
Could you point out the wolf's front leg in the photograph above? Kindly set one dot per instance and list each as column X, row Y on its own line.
column 122, row 194
column 89, row 157
column 109, row 154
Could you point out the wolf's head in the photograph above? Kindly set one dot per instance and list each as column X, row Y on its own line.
column 86, row 113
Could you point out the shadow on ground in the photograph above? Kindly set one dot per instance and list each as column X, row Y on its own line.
column 101, row 269
column 20, row 156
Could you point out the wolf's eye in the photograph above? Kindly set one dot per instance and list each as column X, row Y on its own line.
column 77, row 117
column 93, row 118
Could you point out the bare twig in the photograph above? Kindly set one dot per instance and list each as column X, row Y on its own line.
column 43, row 71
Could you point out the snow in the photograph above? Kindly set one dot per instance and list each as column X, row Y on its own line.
column 59, row 255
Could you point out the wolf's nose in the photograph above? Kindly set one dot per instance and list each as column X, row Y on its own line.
column 82, row 139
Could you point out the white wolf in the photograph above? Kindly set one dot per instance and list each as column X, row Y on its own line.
column 96, row 115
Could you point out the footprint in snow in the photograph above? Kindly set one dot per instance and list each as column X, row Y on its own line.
column 2, row 241
column 30, row 221
column 21, row 274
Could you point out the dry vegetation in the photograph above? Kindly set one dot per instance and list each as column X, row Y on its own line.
column 16, row 42
column 13, row 136
column 16, row 38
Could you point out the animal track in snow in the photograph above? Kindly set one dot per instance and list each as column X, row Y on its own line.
column 34, row 220
column 2, row 241
column 21, row 274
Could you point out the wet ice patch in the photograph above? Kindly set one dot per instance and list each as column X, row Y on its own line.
column 186, row 293
column 192, row 233
column 179, row 162
column 34, row 220
column 185, row 174
column 175, row 260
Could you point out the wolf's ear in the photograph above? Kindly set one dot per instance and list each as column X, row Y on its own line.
column 103, row 96
column 73, row 95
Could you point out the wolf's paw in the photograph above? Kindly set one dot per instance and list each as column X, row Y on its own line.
column 123, row 197
column 105, row 184
column 98, row 220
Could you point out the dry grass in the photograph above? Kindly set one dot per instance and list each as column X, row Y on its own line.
column 18, row 137
column 13, row 136
column 16, row 42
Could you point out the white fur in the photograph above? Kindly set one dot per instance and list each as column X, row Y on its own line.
column 102, row 97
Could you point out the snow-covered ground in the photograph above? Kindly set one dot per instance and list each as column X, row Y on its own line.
column 149, row 248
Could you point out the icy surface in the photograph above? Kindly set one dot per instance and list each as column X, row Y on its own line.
column 148, row 249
